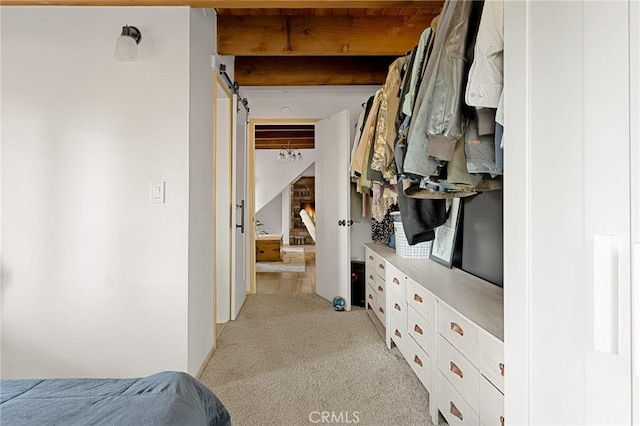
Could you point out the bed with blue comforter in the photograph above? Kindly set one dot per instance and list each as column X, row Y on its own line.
column 167, row 398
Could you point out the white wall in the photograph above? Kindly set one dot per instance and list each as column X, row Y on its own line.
column 315, row 102
column 94, row 277
column 273, row 176
column 271, row 216
column 200, row 305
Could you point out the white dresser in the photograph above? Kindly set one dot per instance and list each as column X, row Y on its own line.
column 449, row 327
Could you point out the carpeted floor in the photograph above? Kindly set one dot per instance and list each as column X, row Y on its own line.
column 288, row 358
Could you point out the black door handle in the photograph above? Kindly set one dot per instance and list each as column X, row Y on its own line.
column 241, row 226
column 342, row 222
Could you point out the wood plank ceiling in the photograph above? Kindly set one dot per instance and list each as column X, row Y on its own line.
column 303, row 42
column 320, row 46
column 284, row 136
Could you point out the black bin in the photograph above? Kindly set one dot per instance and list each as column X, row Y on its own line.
column 357, row 283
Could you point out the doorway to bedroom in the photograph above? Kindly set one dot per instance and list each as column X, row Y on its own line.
column 283, row 166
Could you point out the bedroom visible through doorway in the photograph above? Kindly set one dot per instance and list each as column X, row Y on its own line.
column 283, row 160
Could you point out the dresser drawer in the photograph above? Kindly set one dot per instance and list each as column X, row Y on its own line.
column 370, row 261
column 463, row 375
column 453, row 407
column 381, row 310
column 491, row 358
column 371, row 297
column 459, row 331
column 421, row 300
column 421, row 330
column 398, row 306
column 491, row 404
column 395, row 280
column 420, row 362
column 398, row 333
column 380, row 286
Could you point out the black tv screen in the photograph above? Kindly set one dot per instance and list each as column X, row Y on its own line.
column 482, row 237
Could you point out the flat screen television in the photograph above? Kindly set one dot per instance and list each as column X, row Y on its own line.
column 482, row 236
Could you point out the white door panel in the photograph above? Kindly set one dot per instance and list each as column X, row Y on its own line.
column 332, row 207
column 239, row 220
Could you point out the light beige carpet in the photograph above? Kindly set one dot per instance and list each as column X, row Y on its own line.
column 289, row 358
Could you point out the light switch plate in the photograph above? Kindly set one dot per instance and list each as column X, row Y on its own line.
column 156, row 192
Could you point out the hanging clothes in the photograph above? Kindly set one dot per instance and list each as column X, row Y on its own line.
column 485, row 83
column 386, row 130
column 439, row 120
column 416, row 71
column 381, row 231
column 368, row 132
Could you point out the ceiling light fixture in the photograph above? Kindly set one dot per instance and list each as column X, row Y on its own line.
column 127, row 44
column 289, row 154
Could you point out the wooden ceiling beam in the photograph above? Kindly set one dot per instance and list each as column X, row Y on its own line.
column 319, row 35
column 230, row 4
column 311, row 71
column 308, row 143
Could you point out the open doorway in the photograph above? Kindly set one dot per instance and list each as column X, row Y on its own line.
column 282, row 168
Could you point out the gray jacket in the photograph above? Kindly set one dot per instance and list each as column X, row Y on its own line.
column 439, row 121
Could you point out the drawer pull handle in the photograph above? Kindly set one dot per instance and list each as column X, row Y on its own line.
column 370, row 296
column 455, row 369
column 417, row 329
column 501, row 420
column 457, row 329
column 454, row 410
column 397, row 307
column 417, row 360
column 397, row 333
column 501, row 365
column 370, row 257
column 381, row 310
column 417, row 298
column 395, row 281
column 381, row 266
column 380, row 288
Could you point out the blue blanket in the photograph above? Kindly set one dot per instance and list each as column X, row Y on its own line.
column 167, row 398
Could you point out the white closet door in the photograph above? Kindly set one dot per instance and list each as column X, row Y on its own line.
column 634, row 114
column 607, row 211
column 333, row 276
column 568, row 282
column 239, row 207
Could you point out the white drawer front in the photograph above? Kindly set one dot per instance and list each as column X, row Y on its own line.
column 459, row 331
column 398, row 332
column 370, row 261
column 463, row 375
column 453, row 407
column 421, row 330
column 381, row 310
column 420, row 362
column 421, row 300
column 381, row 267
column 380, row 286
column 491, row 404
column 397, row 303
column 491, row 358
column 395, row 280
column 372, row 297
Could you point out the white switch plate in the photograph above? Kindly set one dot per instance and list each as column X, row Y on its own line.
column 156, row 192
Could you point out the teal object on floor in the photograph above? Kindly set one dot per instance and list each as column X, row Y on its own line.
column 338, row 303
